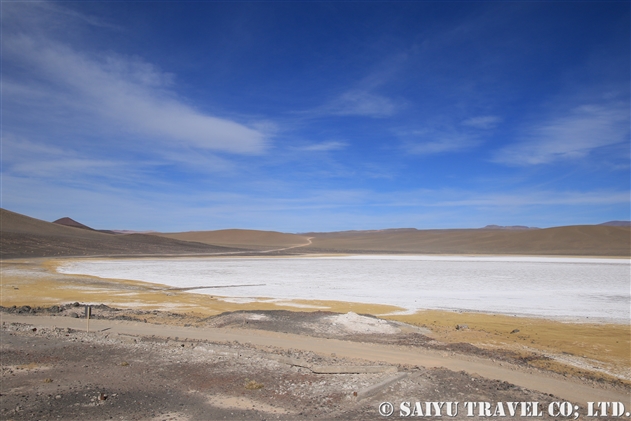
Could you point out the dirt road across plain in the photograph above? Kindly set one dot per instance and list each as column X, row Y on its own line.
column 569, row 389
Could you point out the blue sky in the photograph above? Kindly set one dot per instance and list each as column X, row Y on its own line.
column 316, row 116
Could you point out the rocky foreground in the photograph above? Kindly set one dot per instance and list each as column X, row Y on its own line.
column 68, row 373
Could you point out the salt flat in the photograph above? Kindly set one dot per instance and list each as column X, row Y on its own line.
column 563, row 288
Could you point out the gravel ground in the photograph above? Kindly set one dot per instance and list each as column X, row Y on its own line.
column 324, row 324
column 68, row 374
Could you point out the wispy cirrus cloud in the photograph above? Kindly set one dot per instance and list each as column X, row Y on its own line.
column 457, row 137
column 362, row 103
column 367, row 97
column 47, row 17
column 323, row 146
column 571, row 135
column 88, row 120
column 126, row 92
column 435, row 141
column 482, row 122
column 541, row 198
column 443, row 143
column 22, row 157
column 521, row 199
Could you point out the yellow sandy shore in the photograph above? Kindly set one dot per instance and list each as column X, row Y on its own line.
column 36, row 283
column 573, row 347
column 601, row 350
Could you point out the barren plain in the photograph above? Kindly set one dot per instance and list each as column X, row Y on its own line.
column 157, row 353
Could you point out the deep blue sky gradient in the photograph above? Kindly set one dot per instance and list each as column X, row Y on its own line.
column 316, row 116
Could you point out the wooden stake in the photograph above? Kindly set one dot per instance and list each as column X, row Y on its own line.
column 88, row 310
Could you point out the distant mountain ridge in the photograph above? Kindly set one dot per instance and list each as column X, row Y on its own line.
column 133, row 232
column 69, row 222
column 617, row 224
column 383, row 230
column 510, row 227
column 23, row 236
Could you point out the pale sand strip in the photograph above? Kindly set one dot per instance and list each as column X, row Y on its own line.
column 564, row 388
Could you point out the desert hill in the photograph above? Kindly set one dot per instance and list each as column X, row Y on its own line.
column 23, row 236
column 581, row 240
column 69, row 222
column 250, row 239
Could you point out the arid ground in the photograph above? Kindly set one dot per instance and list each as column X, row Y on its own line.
column 155, row 353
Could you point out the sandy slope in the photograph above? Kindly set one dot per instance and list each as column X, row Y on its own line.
column 584, row 240
column 22, row 236
column 241, row 238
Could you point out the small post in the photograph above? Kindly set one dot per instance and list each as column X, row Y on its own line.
column 88, row 312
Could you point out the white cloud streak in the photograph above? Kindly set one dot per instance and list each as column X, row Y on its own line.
column 522, row 199
column 362, row 99
column 544, row 198
column 24, row 158
column 324, row 146
column 436, row 140
column 482, row 122
column 433, row 141
column 130, row 93
column 362, row 103
column 573, row 135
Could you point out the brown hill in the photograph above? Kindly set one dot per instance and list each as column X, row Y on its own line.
column 69, row 222
column 22, row 236
column 250, row 239
column 582, row 240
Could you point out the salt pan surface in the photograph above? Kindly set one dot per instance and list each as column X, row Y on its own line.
column 576, row 288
